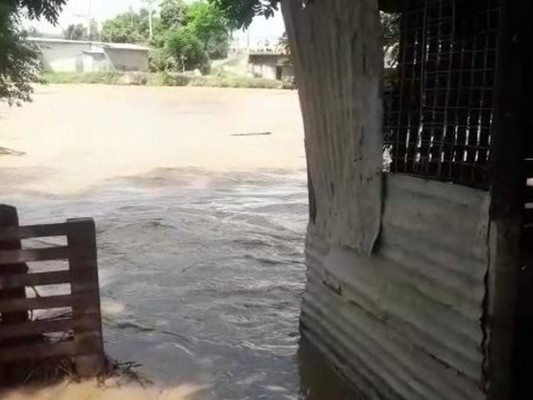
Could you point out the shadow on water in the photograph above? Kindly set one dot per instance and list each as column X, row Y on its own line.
column 318, row 379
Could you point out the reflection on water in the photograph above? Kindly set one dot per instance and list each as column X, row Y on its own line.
column 201, row 278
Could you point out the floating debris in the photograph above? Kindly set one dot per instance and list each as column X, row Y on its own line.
column 4, row 151
column 252, row 134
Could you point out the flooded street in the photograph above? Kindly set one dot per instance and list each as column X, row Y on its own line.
column 201, row 264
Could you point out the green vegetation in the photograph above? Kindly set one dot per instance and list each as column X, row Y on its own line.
column 161, row 79
column 19, row 60
column 184, row 36
column 75, row 32
column 129, row 27
column 242, row 12
column 391, row 38
column 105, row 78
column 180, row 50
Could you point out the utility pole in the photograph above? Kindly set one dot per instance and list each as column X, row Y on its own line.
column 150, row 13
column 89, row 22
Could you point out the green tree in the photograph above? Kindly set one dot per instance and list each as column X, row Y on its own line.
column 19, row 59
column 283, row 44
column 94, row 33
column 391, row 38
column 172, row 14
column 241, row 13
column 183, row 51
column 210, row 26
column 75, row 32
column 186, row 36
column 128, row 27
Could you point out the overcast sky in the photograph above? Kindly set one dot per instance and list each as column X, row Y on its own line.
column 77, row 11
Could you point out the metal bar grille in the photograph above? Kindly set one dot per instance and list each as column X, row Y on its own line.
column 439, row 112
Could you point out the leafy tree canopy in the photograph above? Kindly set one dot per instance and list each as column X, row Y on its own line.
column 128, row 27
column 19, row 59
column 172, row 14
column 184, row 50
column 75, row 32
column 242, row 12
column 48, row 9
column 210, row 25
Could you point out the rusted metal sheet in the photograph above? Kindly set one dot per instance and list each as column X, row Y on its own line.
column 82, row 328
column 407, row 322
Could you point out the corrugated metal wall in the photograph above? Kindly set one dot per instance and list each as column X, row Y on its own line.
column 406, row 322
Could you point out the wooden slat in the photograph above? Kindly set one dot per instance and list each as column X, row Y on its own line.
column 88, row 342
column 528, row 167
column 529, row 194
column 39, row 279
column 528, row 216
column 88, row 301
column 87, row 323
column 38, row 303
column 9, row 218
column 21, row 256
column 34, row 328
column 81, row 236
column 38, row 351
column 33, row 231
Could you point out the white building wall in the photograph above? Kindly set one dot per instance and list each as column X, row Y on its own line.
column 63, row 57
column 265, row 70
column 127, row 60
column 85, row 56
column 94, row 62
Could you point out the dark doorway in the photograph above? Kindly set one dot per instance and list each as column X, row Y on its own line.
column 279, row 73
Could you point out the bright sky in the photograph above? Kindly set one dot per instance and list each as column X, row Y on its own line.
column 78, row 11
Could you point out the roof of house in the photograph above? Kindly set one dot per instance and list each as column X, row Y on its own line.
column 121, row 46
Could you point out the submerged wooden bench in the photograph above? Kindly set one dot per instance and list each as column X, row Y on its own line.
column 80, row 330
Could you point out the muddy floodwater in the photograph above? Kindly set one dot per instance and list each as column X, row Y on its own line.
column 201, row 265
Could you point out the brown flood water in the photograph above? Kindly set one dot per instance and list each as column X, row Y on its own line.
column 200, row 233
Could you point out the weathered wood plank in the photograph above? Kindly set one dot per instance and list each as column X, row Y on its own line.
column 81, row 237
column 38, row 351
column 22, row 256
column 528, row 196
column 39, row 303
column 88, row 323
column 88, row 343
column 9, row 218
column 32, row 231
column 528, row 166
column 38, row 279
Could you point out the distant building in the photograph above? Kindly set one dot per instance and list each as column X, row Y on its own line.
column 61, row 55
column 271, row 65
